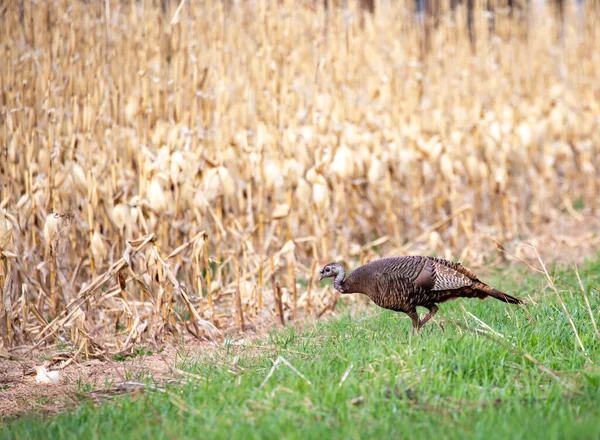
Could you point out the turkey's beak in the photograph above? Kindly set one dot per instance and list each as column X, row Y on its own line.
column 322, row 275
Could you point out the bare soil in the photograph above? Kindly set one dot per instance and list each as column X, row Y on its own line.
column 93, row 379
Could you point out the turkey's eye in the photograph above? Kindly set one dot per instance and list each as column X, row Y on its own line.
column 328, row 270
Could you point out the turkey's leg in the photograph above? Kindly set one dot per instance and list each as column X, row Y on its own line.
column 416, row 326
column 432, row 311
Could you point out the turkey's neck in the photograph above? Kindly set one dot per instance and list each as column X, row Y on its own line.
column 339, row 279
column 353, row 283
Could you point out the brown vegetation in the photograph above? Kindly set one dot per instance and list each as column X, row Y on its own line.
column 184, row 170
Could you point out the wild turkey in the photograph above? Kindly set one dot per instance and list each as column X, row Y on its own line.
column 403, row 283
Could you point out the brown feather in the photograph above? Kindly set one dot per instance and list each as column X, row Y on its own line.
column 495, row 293
column 404, row 283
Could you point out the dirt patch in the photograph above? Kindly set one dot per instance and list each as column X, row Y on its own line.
column 564, row 241
column 93, row 379
column 97, row 380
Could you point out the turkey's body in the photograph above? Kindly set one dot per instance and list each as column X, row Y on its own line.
column 403, row 283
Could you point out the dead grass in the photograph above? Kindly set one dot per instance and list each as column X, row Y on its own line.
column 164, row 176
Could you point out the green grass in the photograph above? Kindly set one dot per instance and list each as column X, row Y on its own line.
column 136, row 352
column 366, row 375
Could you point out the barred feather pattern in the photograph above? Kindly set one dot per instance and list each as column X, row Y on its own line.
column 403, row 283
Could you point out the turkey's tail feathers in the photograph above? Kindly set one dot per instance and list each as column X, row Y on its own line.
column 495, row 293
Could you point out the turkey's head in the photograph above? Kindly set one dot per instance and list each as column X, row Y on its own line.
column 336, row 271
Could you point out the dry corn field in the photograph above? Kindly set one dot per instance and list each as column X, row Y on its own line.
column 170, row 171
